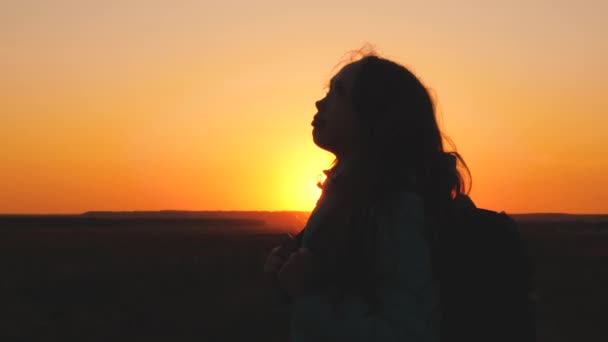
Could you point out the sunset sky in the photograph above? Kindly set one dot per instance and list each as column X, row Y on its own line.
column 206, row 105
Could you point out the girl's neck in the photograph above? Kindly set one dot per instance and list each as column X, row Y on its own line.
column 344, row 164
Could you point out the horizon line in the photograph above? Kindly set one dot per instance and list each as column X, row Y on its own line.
column 240, row 210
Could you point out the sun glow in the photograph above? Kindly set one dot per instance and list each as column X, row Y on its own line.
column 297, row 180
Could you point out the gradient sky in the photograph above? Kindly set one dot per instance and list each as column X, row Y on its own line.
column 206, row 105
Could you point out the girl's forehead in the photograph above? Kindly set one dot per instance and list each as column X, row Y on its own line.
column 346, row 75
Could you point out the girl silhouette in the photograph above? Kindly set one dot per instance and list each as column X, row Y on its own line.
column 361, row 268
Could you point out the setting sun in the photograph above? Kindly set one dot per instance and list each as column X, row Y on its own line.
column 297, row 183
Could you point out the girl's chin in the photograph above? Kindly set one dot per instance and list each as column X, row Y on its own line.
column 317, row 133
column 319, row 140
column 316, row 136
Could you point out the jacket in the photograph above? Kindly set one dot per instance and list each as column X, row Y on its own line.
column 406, row 292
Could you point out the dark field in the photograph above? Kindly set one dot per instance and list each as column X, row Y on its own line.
column 175, row 278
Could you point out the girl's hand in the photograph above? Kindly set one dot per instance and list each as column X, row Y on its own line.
column 279, row 255
column 275, row 260
column 296, row 274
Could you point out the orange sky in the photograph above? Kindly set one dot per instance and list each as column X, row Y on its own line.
column 146, row 105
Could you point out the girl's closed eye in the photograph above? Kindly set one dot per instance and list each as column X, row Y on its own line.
column 338, row 89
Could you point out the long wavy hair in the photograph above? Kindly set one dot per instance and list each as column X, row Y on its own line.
column 401, row 149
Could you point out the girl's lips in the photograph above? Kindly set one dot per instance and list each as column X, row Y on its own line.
column 317, row 123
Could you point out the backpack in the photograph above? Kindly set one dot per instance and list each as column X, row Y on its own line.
column 485, row 279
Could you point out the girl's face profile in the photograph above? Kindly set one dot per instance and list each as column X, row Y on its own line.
column 334, row 124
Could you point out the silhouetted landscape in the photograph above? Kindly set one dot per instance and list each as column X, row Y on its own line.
column 184, row 276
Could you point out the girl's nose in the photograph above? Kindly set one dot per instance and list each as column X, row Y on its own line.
column 319, row 104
